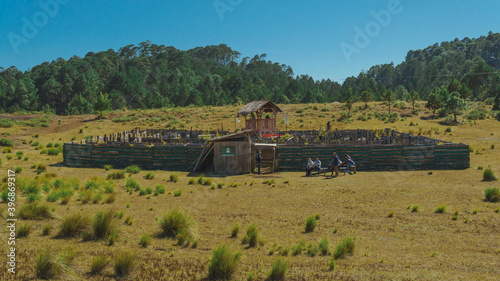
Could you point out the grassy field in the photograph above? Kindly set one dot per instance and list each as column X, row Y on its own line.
column 392, row 242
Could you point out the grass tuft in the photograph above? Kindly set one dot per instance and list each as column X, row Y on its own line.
column 145, row 240
column 49, row 266
column 489, row 175
column 73, row 225
column 492, row 194
column 323, row 246
column 32, row 211
column 310, row 224
column 175, row 222
column 278, row 271
column 98, row 264
column 116, row 175
column 440, row 209
column 345, row 247
column 133, row 169
column 102, row 224
column 252, row 235
column 235, row 230
column 223, row 264
column 124, row 264
column 174, row 177
column 23, row 230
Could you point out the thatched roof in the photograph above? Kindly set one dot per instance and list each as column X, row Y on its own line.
column 265, row 105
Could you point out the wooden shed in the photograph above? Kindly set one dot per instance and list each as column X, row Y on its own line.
column 231, row 154
column 255, row 121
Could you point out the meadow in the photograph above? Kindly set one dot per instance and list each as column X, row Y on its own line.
column 96, row 223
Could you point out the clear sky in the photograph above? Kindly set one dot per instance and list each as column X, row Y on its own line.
column 312, row 36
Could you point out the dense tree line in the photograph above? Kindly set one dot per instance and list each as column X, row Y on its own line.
column 152, row 76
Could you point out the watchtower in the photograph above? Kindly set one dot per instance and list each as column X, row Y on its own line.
column 255, row 121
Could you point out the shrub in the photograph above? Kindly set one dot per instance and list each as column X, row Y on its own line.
column 98, row 264
column 18, row 169
column 414, row 209
column 73, row 225
column 174, row 177
column 440, row 209
column 235, row 230
column 192, row 181
column 124, row 264
column 107, row 167
column 35, row 143
column 492, row 194
column 133, row 169
column 177, row 193
column 102, row 224
column 323, row 246
column 278, row 270
column 49, row 145
column 9, row 157
column 7, row 150
column 142, row 192
column 149, row 176
column 310, row 224
column 223, row 264
column 19, row 154
column 145, row 240
column 252, row 236
column 448, row 130
column 46, row 229
column 345, row 247
column 174, row 222
column 208, row 181
column 220, row 185
column 31, row 211
column 23, row 230
column 489, row 175
column 6, row 142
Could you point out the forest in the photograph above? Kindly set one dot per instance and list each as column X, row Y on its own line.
column 154, row 76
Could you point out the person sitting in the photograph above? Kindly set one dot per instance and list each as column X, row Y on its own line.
column 348, row 162
column 317, row 165
column 309, row 167
column 335, row 164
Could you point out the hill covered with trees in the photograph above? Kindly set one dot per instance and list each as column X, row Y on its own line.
column 152, row 76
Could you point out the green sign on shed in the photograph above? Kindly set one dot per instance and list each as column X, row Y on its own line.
column 228, row 150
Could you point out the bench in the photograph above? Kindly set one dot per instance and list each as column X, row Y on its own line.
column 344, row 168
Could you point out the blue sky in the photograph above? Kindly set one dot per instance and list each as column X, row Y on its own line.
column 307, row 35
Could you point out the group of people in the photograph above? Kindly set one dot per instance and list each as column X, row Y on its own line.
column 336, row 163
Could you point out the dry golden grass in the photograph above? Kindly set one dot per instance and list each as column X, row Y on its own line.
column 409, row 246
